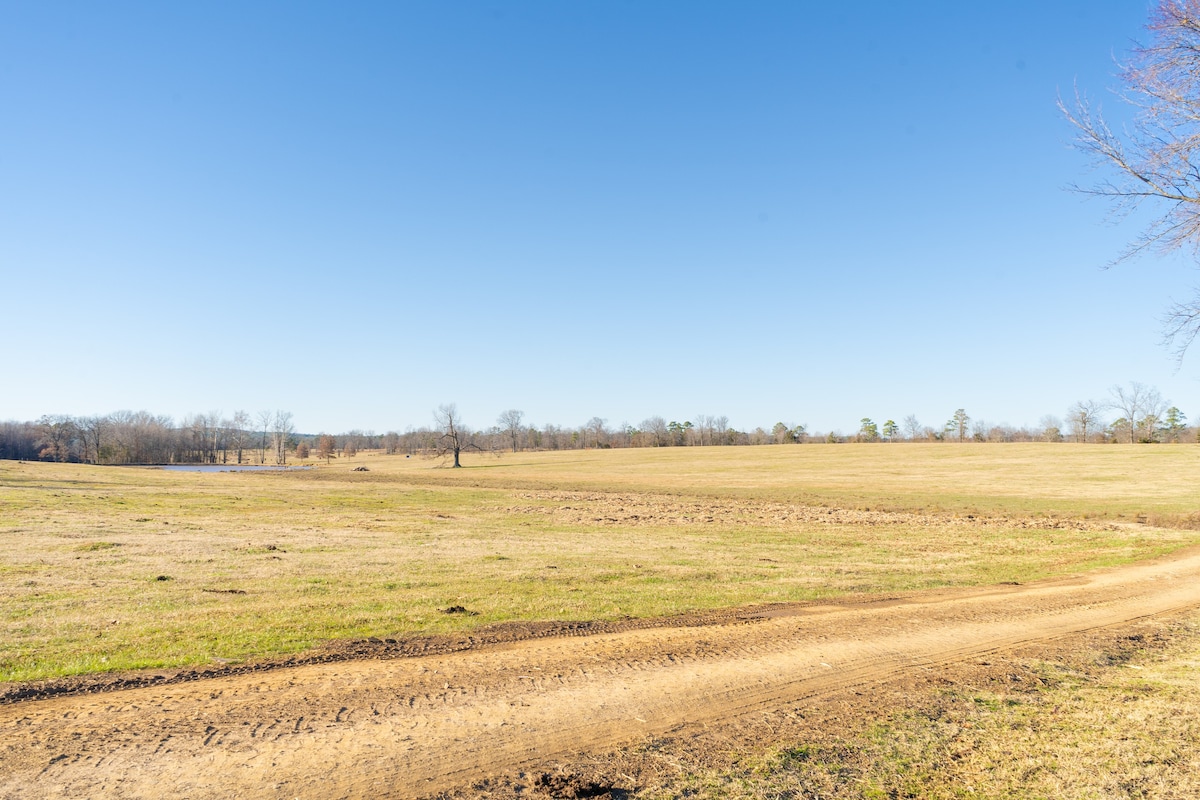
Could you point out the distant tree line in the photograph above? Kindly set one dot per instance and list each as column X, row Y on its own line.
column 1131, row 414
column 129, row 437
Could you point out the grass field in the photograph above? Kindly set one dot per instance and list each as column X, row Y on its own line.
column 1090, row 723
column 106, row 568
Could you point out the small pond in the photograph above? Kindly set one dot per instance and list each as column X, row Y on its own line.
column 226, row 468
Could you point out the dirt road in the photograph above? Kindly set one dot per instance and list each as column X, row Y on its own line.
column 411, row 727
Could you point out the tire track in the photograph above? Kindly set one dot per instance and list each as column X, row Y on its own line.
column 412, row 727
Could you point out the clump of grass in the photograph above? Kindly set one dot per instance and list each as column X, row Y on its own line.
column 92, row 547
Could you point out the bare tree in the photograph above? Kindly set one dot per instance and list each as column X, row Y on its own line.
column 781, row 433
column 1084, row 416
column 239, row 433
column 1050, row 429
column 721, row 429
column 596, row 430
column 510, row 422
column 264, row 426
column 1140, row 405
column 56, row 435
column 1156, row 157
column 91, row 431
column 1149, row 426
column 455, row 437
column 280, row 434
column 655, row 429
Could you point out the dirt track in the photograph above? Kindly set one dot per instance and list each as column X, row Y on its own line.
column 409, row 727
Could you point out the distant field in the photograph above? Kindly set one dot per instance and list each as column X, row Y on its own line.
column 107, row 568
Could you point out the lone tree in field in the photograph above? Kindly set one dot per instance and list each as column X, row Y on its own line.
column 454, row 436
column 1156, row 156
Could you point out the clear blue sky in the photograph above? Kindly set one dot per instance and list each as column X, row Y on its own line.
column 774, row 211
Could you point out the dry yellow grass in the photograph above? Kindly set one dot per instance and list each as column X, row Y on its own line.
column 114, row 568
column 1110, row 481
column 1091, row 724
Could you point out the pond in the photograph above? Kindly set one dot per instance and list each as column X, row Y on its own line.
column 226, row 468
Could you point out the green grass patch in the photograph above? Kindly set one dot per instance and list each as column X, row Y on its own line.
column 331, row 554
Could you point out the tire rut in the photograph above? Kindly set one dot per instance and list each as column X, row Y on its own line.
column 411, row 727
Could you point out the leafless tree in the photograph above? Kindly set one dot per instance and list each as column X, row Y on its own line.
column 264, row 426
column 455, row 437
column 18, row 440
column 1138, row 405
column 912, row 426
column 720, row 429
column 91, row 432
column 239, row 433
column 510, row 422
column 655, row 429
column 56, row 435
column 1156, row 157
column 781, row 433
column 1084, row 417
column 281, row 432
column 596, row 432
column 1050, row 428
column 1149, row 425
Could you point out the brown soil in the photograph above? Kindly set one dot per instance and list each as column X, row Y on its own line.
column 538, row 712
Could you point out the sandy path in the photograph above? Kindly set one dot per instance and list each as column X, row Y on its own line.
column 411, row 727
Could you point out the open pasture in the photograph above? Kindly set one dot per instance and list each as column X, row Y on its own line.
column 106, row 568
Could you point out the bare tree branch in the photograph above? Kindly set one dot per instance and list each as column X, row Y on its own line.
column 1157, row 159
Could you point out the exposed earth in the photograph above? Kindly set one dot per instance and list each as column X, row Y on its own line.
column 543, row 711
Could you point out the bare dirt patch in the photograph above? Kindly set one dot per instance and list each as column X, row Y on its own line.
column 497, row 717
column 606, row 508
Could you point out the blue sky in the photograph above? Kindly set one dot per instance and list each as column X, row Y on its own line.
column 772, row 211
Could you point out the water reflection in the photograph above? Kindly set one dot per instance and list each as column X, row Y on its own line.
column 227, row 468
